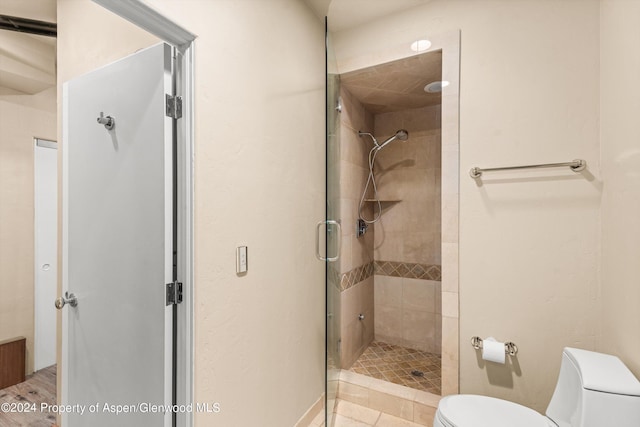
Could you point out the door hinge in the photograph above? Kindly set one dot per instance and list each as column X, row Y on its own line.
column 174, row 293
column 174, row 106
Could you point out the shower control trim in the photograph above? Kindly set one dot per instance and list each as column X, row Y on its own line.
column 361, row 227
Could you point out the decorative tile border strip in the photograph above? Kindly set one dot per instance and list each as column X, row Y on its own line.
column 408, row 269
column 389, row 268
column 333, row 275
column 357, row 275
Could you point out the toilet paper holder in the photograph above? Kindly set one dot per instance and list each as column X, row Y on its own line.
column 509, row 348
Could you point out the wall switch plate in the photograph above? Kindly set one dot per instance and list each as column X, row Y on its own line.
column 241, row 259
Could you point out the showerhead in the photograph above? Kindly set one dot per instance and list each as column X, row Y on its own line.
column 402, row 135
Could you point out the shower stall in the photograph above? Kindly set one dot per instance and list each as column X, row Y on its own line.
column 389, row 268
column 384, row 188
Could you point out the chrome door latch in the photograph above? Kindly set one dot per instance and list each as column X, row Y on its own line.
column 66, row 299
column 108, row 122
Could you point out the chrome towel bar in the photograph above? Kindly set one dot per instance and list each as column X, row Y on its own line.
column 576, row 166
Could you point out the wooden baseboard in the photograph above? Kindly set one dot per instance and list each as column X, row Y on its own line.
column 12, row 361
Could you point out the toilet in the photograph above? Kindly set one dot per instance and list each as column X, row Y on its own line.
column 593, row 390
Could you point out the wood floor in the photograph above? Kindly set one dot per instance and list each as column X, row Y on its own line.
column 38, row 388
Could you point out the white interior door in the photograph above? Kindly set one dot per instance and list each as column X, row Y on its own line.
column 118, row 243
column 46, row 251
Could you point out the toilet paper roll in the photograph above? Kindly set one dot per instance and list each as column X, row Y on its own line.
column 492, row 350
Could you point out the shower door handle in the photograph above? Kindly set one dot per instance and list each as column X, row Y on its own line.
column 339, row 245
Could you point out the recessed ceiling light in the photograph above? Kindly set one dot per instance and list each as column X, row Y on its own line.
column 420, row 45
column 435, row 87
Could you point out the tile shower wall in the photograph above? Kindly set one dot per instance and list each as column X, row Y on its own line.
column 391, row 275
column 408, row 176
column 356, row 261
column 407, row 301
column 408, row 312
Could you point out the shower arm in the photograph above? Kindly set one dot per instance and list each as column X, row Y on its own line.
column 381, row 146
column 375, row 141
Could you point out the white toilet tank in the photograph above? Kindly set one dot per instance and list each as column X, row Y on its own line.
column 594, row 390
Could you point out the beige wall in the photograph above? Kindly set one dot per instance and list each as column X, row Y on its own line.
column 529, row 247
column 619, row 109
column 529, row 241
column 22, row 117
column 259, row 339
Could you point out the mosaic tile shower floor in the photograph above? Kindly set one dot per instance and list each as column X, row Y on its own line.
column 395, row 364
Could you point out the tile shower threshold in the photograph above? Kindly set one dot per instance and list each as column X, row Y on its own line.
column 394, row 399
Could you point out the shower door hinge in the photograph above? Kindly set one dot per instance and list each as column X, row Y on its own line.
column 174, row 106
column 174, row 293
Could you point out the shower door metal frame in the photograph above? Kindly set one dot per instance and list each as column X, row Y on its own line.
column 147, row 18
column 333, row 339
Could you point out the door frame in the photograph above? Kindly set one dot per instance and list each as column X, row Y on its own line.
column 40, row 301
column 144, row 16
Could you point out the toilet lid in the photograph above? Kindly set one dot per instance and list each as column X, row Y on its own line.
column 468, row 410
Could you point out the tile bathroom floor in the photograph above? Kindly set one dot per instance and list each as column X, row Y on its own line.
column 351, row 415
column 394, row 363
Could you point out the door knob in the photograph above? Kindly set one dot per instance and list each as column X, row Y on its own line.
column 66, row 299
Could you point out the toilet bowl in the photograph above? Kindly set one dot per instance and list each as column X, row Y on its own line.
column 482, row 411
column 593, row 390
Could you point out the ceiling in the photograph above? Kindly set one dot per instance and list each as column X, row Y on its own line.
column 41, row 10
column 397, row 85
column 27, row 62
column 345, row 14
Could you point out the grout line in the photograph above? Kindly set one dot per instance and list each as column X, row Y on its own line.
column 378, row 419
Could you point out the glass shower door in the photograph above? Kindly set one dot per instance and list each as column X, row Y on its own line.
column 333, row 234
